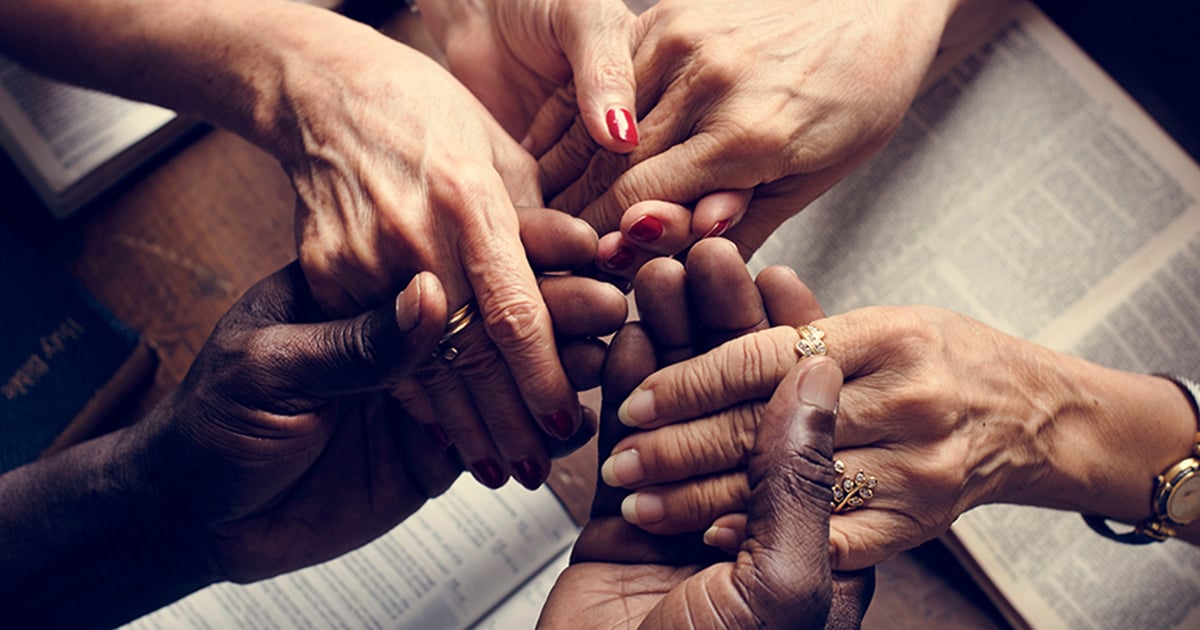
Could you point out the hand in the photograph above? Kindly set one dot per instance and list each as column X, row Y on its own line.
column 626, row 577
column 399, row 169
column 582, row 309
column 946, row 412
column 767, row 104
column 513, row 55
column 281, row 449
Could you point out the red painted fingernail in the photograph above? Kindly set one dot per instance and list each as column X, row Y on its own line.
column 488, row 473
column 621, row 125
column 528, row 472
column 560, row 424
column 438, row 436
column 620, row 260
column 717, row 229
column 646, row 229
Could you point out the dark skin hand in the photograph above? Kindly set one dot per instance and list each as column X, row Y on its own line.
column 281, row 448
column 622, row 576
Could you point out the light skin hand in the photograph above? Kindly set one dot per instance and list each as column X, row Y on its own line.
column 956, row 413
column 515, row 54
column 771, row 103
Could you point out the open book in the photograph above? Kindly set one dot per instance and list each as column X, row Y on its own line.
column 70, row 143
column 1025, row 189
column 472, row 557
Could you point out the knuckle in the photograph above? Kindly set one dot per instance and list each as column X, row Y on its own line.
column 514, row 321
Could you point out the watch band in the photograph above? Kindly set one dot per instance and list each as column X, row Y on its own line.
column 1157, row 527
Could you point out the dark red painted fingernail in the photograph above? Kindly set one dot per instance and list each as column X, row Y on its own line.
column 717, row 229
column 620, row 260
column 621, row 125
column 438, row 436
column 646, row 229
column 488, row 473
column 528, row 472
column 560, row 425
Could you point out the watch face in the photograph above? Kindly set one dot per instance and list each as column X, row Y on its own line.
column 1183, row 504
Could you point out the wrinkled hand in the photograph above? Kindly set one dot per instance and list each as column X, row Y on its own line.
column 940, row 408
column 514, row 54
column 284, row 448
column 399, row 169
column 582, row 310
column 767, row 103
column 623, row 577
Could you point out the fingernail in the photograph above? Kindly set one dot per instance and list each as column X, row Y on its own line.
column 721, row 538
column 559, row 424
column 408, row 305
column 438, row 436
column 620, row 260
column 641, row 508
column 717, row 229
column 820, row 385
column 488, row 473
column 528, row 472
column 621, row 125
column 623, row 469
column 638, row 409
column 646, row 229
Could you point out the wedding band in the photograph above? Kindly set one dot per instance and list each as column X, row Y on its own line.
column 458, row 321
column 853, row 490
column 811, row 341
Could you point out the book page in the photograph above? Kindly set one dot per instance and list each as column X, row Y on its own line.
column 523, row 607
column 1026, row 190
column 64, row 132
column 445, row 567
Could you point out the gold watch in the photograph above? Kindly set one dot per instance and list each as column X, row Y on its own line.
column 1175, row 500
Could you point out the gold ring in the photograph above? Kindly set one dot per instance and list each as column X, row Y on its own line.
column 853, row 490
column 458, row 321
column 811, row 341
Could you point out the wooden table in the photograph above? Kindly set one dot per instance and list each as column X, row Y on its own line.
column 173, row 248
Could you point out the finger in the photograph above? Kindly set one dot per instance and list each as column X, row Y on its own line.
column 727, row 533
column 658, row 227
column 786, row 577
column 789, row 302
column 686, row 507
column 566, row 156
column 479, row 367
column 600, row 52
column 583, row 307
column 577, row 188
column 630, row 358
column 660, row 289
column 585, row 433
column 551, row 121
column 724, row 296
column 415, row 401
column 717, row 212
column 746, row 368
column 352, row 355
column 678, row 452
column 682, row 173
column 514, row 315
column 619, row 257
column 464, row 426
column 583, row 360
column 852, row 593
column 556, row 241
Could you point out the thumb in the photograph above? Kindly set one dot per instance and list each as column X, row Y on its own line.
column 788, row 578
column 599, row 47
column 365, row 352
